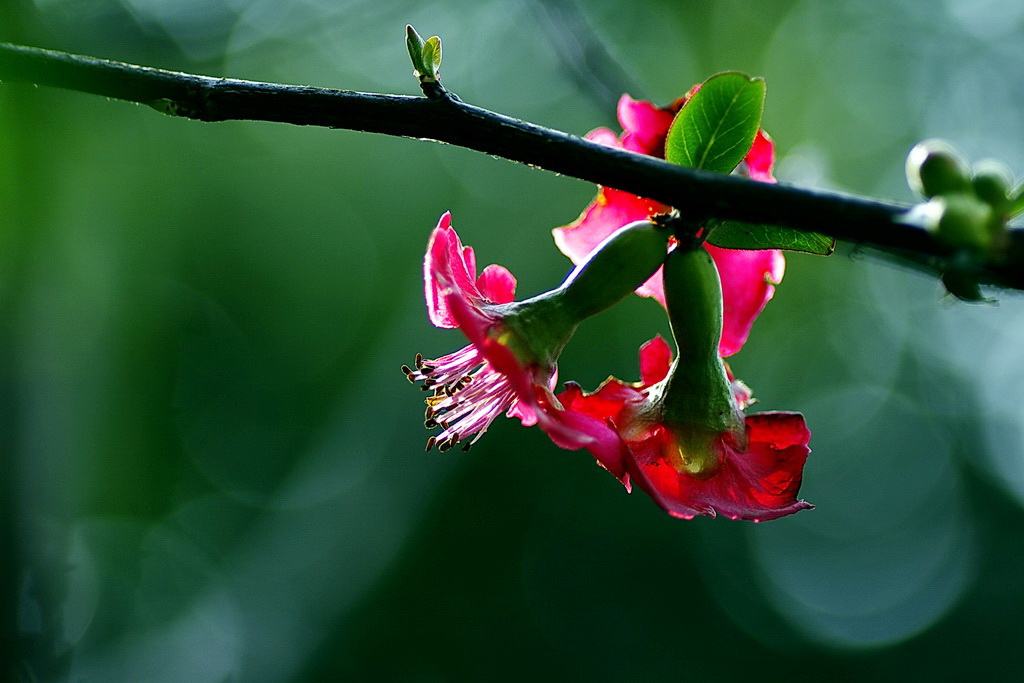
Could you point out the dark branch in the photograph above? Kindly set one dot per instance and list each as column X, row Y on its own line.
column 446, row 119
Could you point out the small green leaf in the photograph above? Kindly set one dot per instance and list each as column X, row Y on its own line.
column 1017, row 203
column 738, row 235
column 425, row 56
column 716, row 128
column 414, row 43
column 432, row 54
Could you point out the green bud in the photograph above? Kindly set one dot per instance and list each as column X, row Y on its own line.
column 425, row 55
column 615, row 268
column 992, row 181
column 961, row 280
column 965, row 222
column 935, row 168
column 963, row 285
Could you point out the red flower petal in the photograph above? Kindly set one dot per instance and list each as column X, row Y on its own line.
column 756, row 484
column 468, row 255
column 655, row 361
column 606, row 404
column 748, row 283
column 761, row 158
column 497, row 284
column 447, row 266
column 740, row 391
column 644, row 126
column 573, row 430
column 779, row 429
column 609, row 211
column 604, row 136
column 450, row 267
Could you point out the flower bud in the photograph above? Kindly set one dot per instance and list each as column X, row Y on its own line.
column 965, row 222
column 963, row 285
column 992, row 181
column 425, row 55
column 936, row 168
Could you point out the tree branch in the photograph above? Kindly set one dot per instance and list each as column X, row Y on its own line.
column 864, row 221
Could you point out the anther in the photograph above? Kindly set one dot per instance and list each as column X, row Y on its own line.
column 429, row 423
column 430, row 443
column 444, row 446
column 419, row 360
column 466, row 446
column 427, row 369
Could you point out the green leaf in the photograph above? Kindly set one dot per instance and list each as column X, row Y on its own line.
column 425, row 56
column 432, row 54
column 738, row 235
column 414, row 43
column 1017, row 203
column 716, row 128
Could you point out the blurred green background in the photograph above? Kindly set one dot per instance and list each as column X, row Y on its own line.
column 213, row 469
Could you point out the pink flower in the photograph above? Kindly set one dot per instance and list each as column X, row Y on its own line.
column 748, row 277
column 503, row 369
column 753, row 474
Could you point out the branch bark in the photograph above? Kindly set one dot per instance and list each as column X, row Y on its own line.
column 877, row 224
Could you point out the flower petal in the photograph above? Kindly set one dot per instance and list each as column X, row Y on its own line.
column 761, row 158
column 654, row 287
column 497, row 284
column 644, row 125
column 655, row 361
column 780, row 429
column 756, row 484
column 740, row 391
column 748, row 283
column 762, row 482
column 609, row 211
column 605, row 404
column 447, row 267
column 572, row 430
column 604, row 136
